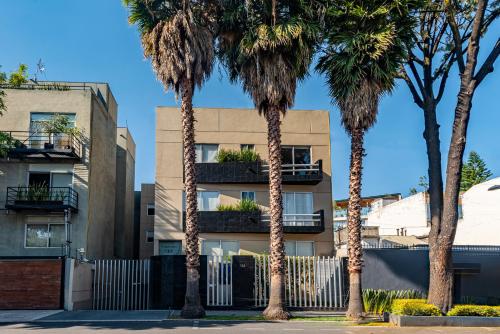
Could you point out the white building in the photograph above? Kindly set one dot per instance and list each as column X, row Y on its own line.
column 479, row 216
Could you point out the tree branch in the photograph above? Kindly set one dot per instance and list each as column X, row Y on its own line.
column 487, row 66
column 414, row 93
column 415, row 73
column 450, row 15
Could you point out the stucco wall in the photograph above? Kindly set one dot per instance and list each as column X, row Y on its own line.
column 481, row 215
column 230, row 128
column 409, row 213
column 146, row 249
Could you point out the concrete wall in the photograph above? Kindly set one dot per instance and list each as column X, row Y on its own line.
column 93, row 224
column 78, row 287
column 125, row 180
column 409, row 213
column 146, row 249
column 230, row 128
column 481, row 215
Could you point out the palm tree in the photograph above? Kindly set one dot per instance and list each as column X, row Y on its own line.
column 268, row 45
column 365, row 47
column 178, row 37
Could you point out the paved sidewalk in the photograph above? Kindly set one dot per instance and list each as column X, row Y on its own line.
column 17, row 316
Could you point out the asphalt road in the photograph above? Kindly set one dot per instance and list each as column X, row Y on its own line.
column 223, row 327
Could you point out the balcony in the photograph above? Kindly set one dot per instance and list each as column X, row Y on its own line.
column 55, row 199
column 256, row 222
column 26, row 145
column 257, row 173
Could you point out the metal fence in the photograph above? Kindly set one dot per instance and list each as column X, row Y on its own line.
column 121, row 285
column 311, row 282
column 219, row 281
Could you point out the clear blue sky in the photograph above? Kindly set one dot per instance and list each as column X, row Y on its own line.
column 90, row 40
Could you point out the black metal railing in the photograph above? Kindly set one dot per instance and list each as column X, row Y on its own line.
column 41, row 198
column 257, row 172
column 38, row 144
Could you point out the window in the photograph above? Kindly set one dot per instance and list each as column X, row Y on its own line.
column 150, row 236
column 248, row 195
column 220, row 247
column 249, row 147
column 208, row 200
column 49, row 179
column 296, row 155
column 44, row 235
column 298, row 208
column 150, row 209
column 206, row 152
column 170, row 247
column 299, row 248
column 39, row 137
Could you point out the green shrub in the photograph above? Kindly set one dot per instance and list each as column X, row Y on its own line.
column 380, row 301
column 475, row 311
column 418, row 307
column 224, row 155
column 245, row 205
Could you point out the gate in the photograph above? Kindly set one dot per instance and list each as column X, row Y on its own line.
column 121, row 285
column 219, row 281
column 310, row 282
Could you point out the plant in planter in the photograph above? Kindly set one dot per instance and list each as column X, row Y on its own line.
column 245, row 205
column 55, row 126
column 237, row 156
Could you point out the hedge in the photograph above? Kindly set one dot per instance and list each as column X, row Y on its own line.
column 475, row 311
column 417, row 307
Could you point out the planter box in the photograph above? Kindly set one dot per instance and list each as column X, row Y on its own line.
column 416, row 321
column 37, row 203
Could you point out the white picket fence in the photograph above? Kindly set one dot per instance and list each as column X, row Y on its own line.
column 311, row 282
column 121, row 285
column 219, row 281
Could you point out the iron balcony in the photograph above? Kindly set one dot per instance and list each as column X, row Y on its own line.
column 257, row 173
column 55, row 199
column 256, row 222
column 27, row 145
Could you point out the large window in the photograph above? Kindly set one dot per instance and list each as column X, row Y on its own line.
column 299, row 248
column 208, row 200
column 220, row 247
column 298, row 208
column 38, row 137
column 44, row 235
column 206, row 152
column 296, row 155
column 170, row 247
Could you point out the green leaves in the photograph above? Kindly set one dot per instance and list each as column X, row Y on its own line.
column 474, row 171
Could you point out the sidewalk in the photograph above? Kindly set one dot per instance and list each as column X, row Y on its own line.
column 25, row 315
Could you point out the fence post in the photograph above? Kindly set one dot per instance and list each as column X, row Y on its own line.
column 69, row 267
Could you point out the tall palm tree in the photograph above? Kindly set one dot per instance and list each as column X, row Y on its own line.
column 364, row 49
column 268, row 45
column 178, row 37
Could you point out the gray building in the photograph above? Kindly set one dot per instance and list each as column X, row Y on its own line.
column 58, row 185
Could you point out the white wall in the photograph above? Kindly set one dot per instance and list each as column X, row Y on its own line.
column 409, row 213
column 481, row 215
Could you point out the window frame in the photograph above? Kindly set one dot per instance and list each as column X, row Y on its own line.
column 148, row 207
column 205, row 144
column 148, row 235
column 249, row 191
column 220, row 244
column 295, row 242
column 293, row 147
column 48, row 239
column 247, row 147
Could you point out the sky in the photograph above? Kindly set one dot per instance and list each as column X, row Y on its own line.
column 91, row 40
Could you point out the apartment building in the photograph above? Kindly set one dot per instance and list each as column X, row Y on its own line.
column 368, row 204
column 58, row 189
column 307, row 185
column 145, row 199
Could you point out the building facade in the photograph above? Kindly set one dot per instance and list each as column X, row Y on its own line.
column 307, row 185
column 58, row 189
column 146, row 208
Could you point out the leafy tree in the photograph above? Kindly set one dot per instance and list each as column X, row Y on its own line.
column 178, row 37
column 366, row 43
column 3, row 78
column 19, row 77
column 268, row 45
column 474, row 171
column 413, row 191
column 449, row 33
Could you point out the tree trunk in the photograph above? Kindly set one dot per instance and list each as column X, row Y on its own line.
column 276, row 308
column 192, row 304
column 441, row 279
column 355, row 251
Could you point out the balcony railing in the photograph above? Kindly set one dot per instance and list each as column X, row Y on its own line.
column 256, row 222
column 257, row 173
column 41, row 198
column 41, row 145
column 342, row 213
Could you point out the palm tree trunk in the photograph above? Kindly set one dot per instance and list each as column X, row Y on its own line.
column 276, row 308
column 192, row 304
column 355, row 251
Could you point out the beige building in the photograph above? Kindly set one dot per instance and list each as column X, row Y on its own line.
column 57, row 187
column 307, row 186
column 146, row 220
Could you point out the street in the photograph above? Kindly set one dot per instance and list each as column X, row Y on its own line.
column 235, row 327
